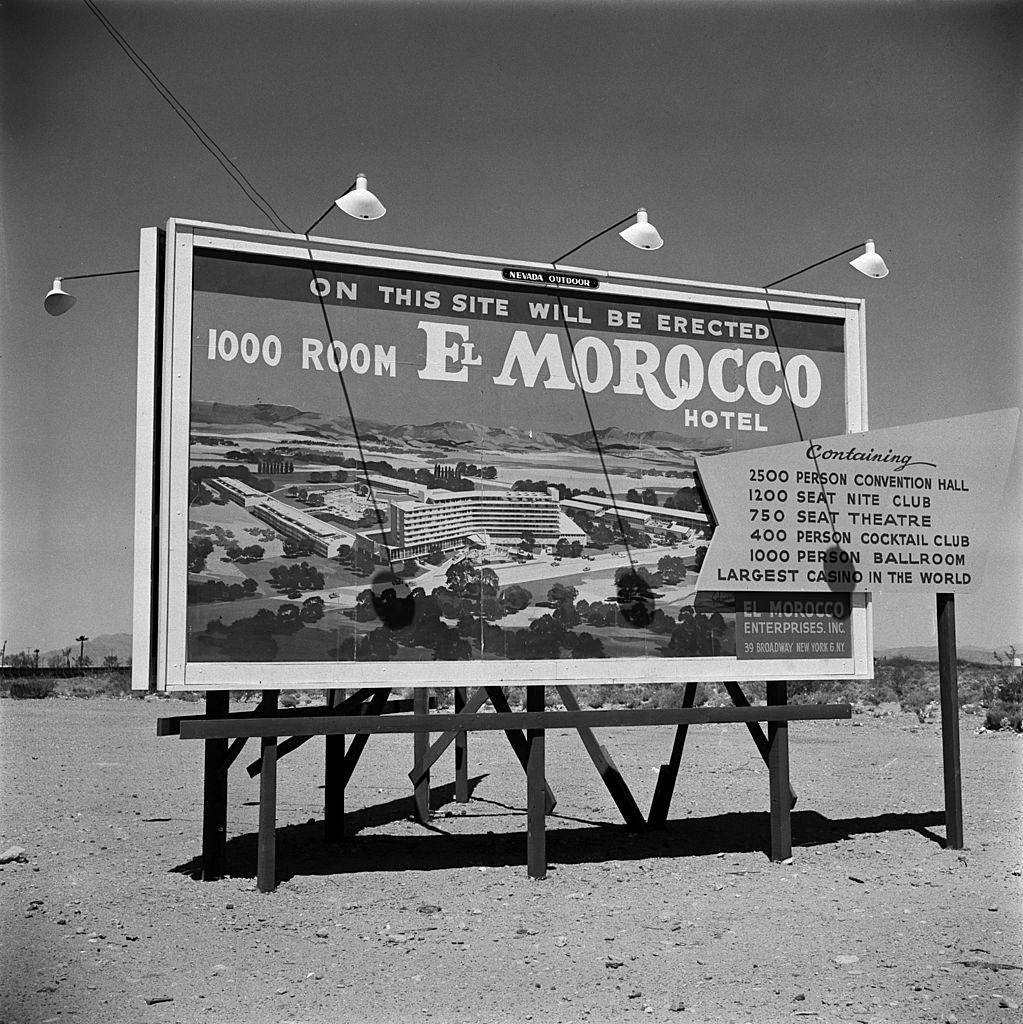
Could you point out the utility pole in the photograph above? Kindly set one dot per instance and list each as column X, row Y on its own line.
column 81, row 649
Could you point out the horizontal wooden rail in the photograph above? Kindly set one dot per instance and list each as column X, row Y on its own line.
column 201, row 728
column 172, row 726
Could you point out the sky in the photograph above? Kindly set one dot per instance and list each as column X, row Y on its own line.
column 761, row 137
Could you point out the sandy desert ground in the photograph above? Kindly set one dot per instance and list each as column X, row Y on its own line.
column 872, row 921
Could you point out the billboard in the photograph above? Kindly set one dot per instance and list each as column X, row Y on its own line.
column 393, row 467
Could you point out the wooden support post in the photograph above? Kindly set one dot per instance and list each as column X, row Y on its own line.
column 266, row 852
column 660, row 802
column 518, row 741
column 778, row 771
column 420, row 744
column 461, row 753
column 740, row 700
column 608, row 770
column 536, row 836
column 948, row 682
column 333, row 785
column 214, row 792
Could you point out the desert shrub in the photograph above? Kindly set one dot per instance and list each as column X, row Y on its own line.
column 1004, row 716
column 33, row 688
column 919, row 700
column 672, row 695
column 1009, row 678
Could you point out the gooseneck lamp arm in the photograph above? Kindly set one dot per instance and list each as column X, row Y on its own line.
column 108, row 273
column 323, row 215
column 592, row 238
column 869, row 263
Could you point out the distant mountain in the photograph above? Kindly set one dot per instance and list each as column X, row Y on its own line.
column 981, row 655
column 613, row 438
column 220, row 412
column 444, row 433
column 96, row 649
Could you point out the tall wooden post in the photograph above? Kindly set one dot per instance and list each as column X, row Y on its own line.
column 461, row 753
column 333, row 779
column 948, row 682
column 214, row 792
column 266, row 852
column 420, row 745
column 536, row 793
column 778, row 771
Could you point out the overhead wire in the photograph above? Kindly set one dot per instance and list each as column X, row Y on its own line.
column 205, row 139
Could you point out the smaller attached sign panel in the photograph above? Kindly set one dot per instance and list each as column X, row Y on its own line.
column 904, row 508
column 775, row 625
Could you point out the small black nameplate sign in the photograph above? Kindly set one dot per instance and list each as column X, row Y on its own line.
column 554, row 277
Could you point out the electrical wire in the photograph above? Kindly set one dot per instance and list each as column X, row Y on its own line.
column 205, row 139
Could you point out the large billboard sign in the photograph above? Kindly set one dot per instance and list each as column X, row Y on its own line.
column 392, row 467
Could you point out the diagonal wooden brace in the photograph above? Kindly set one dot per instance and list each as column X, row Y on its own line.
column 437, row 748
column 349, row 706
column 606, row 768
column 667, row 775
column 360, row 740
column 519, row 743
column 756, row 731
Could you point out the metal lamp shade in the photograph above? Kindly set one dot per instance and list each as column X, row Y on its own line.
column 57, row 300
column 870, row 263
column 642, row 234
column 360, row 202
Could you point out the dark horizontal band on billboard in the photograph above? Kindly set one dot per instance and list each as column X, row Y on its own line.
column 309, row 725
column 353, row 288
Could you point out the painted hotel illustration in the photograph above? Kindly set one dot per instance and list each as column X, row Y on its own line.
column 423, row 520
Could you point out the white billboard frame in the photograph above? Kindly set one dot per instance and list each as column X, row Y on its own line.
column 160, row 660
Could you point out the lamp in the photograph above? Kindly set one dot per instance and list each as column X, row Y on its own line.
column 869, row 263
column 357, row 201
column 58, row 301
column 642, row 234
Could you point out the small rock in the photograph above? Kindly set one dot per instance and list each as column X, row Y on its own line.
column 847, row 958
column 428, row 908
column 993, row 909
column 153, row 1000
column 613, row 964
column 677, row 1005
column 322, row 933
column 13, row 854
column 951, row 1019
column 1008, row 1003
column 635, row 994
column 560, row 941
column 799, row 997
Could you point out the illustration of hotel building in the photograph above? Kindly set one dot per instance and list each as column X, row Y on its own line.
column 427, row 520
column 491, row 513
column 325, row 538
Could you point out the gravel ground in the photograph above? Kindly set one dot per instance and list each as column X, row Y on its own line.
column 872, row 921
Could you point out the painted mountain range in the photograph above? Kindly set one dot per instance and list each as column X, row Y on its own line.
column 287, row 419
